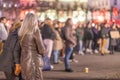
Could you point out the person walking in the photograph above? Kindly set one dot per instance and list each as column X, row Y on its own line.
column 32, row 48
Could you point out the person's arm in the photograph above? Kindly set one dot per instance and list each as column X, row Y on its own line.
column 3, row 33
column 16, row 53
column 39, row 42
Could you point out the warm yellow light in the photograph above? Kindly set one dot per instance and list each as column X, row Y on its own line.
column 100, row 18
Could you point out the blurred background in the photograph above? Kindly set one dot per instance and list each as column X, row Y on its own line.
column 79, row 10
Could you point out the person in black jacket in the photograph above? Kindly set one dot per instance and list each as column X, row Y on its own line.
column 10, row 57
column 48, row 36
column 104, row 36
column 95, row 39
column 88, row 37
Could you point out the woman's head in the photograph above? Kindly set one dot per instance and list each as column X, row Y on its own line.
column 69, row 22
column 49, row 22
column 29, row 23
column 16, row 25
column 114, row 26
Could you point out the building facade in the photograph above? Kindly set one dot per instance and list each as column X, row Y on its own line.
column 115, row 8
column 100, row 10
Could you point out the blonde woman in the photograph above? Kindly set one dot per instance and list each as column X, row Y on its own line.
column 31, row 47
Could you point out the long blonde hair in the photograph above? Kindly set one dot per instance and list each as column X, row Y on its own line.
column 29, row 24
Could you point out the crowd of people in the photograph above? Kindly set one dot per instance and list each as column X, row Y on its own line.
column 31, row 46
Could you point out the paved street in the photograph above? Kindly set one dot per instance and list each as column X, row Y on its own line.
column 100, row 67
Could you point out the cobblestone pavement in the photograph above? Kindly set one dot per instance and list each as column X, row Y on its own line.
column 100, row 67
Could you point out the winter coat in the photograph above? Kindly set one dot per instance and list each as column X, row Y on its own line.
column 58, row 44
column 104, row 33
column 10, row 55
column 47, row 32
column 88, row 34
column 95, row 33
column 113, row 41
column 80, row 33
column 31, row 47
column 69, row 37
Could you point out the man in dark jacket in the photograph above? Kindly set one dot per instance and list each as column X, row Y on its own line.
column 70, row 43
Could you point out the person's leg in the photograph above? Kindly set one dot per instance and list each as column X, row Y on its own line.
column 104, row 46
column 107, row 44
column 67, row 57
column 81, row 47
column 86, row 46
column 55, row 56
column 71, row 56
column 49, row 45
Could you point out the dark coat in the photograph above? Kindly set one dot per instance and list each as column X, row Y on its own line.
column 10, row 55
column 113, row 42
column 47, row 32
column 31, row 47
column 96, row 34
column 104, row 33
column 88, row 34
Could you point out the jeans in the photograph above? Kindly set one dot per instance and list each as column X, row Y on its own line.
column 56, row 54
column 89, row 44
column 80, row 46
column 107, row 45
column 67, row 57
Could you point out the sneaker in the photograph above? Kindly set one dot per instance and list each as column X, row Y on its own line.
column 107, row 51
column 81, row 53
column 59, row 61
column 70, row 60
column 74, row 60
column 96, row 52
column 68, row 70
column 52, row 67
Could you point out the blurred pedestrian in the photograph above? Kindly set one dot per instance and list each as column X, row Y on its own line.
column 3, row 32
column 88, row 37
column 48, row 36
column 10, row 57
column 104, row 36
column 32, row 48
column 80, row 35
column 114, row 36
column 58, row 45
column 70, row 43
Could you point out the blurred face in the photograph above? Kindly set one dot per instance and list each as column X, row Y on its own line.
column 114, row 26
column 89, row 25
column 80, row 25
column 4, row 20
column 71, row 22
column 96, row 26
